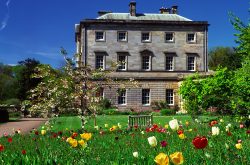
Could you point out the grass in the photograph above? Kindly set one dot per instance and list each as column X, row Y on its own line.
column 74, row 122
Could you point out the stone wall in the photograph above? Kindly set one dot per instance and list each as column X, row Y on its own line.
column 157, row 45
column 134, row 95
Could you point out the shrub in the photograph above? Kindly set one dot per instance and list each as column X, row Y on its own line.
column 157, row 105
column 168, row 111
column 13, row 101
column 4, row 115
column 110, row 112
column 106, row 103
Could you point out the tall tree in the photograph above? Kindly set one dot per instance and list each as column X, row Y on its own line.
column 26, row 82
column 223, row 57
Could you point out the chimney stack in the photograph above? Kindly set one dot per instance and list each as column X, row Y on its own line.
column 174, row 9
column 132, row 8
column 165, row 10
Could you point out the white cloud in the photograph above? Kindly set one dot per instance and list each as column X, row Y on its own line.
column 7, row 16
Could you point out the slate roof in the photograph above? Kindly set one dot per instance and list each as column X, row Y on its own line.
column 152, row 17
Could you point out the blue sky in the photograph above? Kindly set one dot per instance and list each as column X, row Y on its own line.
column 38, row 28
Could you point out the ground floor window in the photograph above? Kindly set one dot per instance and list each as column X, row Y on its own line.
column 122, row 96
column 170, row 96
column 146, row 96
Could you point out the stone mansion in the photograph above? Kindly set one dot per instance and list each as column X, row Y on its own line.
column 158, row 50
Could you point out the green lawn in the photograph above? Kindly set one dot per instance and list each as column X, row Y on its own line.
column 74, row 122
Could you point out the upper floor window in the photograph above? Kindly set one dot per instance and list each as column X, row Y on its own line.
column 146, row 62
column 170, row 96
column 169, row 37
column 99, row 62
column 145, row 37
column 191, row 63
column 122, row 96
column 122, row 62
column 169, row 63
column 122, row 36
column 99, row 36
column 191, row 37
column 145, row 96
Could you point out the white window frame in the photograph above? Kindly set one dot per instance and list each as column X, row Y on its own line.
column 172, row 40
column 122, row 63
column 97, row 63
column 122, row 94
column 194, row 38
column 146, row 99
column 170, row 96
column 193, row 63
column 123, row 39
column 146, row 62
column 170, row 64
column 146, row 40
column 97, row 33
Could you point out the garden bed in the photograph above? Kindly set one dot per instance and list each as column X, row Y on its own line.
column 60, row 142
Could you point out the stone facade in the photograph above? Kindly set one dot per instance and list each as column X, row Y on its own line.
column 157, row 78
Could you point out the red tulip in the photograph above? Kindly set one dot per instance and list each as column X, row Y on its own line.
column 164, row 143
column 1, row 148
column 200, row 142
column 36, row 132
column 180, row 132
column 212, row 123
column 9, row 139
column 23, row 152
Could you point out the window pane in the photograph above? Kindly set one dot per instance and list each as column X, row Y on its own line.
column 122, row 36
column 121, row 96
column 122, row 62
column 145, row 62
column 145, row 37
column 169, row 37
column 99, row 36
column 191, row 63
column 169, row 63
column 190, row 37
column 146, row 96
column 99, row 62
column 170, row 96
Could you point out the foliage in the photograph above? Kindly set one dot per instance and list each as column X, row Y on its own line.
column 76, row 88
column 13, row 101
column 223, row 57
column 105, row 103
column 8, row 83
column 241, row 89
column 243, row 37
column 25, row 80
column 165, row 112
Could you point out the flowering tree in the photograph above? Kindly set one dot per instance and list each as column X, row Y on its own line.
column 74, row 87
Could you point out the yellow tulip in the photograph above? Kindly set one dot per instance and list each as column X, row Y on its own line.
column 86, row 136
column 162, row 159
column 166, row 126
column 43, row 132
column 182, row 136
column 82, row 143
column 177, row 158
column 73, row 143
column 69, row 139
column 238, row 146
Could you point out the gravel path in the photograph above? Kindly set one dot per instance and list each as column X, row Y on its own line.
column 24, row 124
